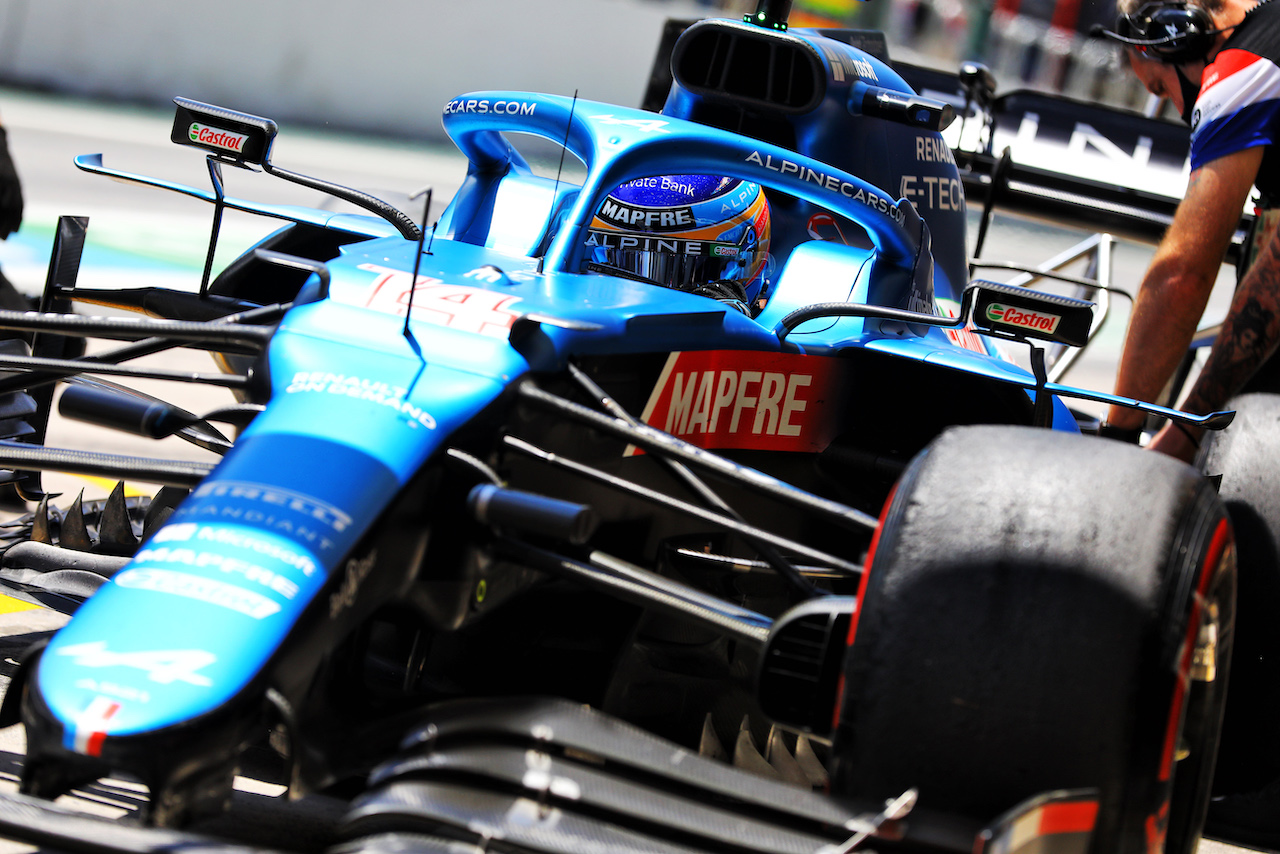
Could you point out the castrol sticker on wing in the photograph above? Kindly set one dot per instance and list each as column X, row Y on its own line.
column 748, row 400
column 217, row 137
column 1025, row 318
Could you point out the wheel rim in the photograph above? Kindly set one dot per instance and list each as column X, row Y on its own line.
column 1205, row 672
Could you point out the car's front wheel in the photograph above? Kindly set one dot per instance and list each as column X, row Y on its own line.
column 1044, row 612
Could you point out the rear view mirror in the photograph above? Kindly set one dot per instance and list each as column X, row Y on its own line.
column 1013, row 312
column 237, row 138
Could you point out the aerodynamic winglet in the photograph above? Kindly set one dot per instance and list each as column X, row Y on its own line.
column 1212, row 421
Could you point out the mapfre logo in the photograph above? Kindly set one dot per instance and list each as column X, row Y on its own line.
column 749, row 400
column 225, row 139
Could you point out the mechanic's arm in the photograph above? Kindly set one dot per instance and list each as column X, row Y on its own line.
column 10, row 190
column 1177, row 285
column 1235, row 355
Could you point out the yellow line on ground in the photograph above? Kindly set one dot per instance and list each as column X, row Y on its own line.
column 107, row 484
column 9, row 605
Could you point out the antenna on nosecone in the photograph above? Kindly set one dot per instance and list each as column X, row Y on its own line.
column 417, row 257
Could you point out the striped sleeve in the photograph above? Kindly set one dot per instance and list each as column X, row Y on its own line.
column 1238, row 106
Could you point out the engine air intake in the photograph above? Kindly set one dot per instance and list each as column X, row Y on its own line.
column 749, row 66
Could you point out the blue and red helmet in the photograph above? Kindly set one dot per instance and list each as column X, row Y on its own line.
column 685, row 232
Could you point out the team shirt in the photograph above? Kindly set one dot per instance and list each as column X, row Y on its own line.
column 1239, row 102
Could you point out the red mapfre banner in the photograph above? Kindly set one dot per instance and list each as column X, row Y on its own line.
column 749, row 399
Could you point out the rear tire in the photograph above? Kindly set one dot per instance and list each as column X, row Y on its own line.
column 1247, row 456
column 1028, row 623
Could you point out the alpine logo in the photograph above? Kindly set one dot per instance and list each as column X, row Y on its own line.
column 224, row 139
column 1010, row 316
column 163, row 666
column 646, row 243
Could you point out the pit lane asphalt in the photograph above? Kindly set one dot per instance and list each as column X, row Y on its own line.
column 140, row 236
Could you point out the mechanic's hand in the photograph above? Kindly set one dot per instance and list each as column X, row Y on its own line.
column 726, row 291
column 1129, row 435
column 10, row 190
column 1176, row 442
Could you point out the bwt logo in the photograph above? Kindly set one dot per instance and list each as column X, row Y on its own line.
column 865, row 70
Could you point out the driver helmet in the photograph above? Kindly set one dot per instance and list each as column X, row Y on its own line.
column 699, row 233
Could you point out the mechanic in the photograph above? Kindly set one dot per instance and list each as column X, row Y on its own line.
column 703, row 234
column 1216, row 60
column 10, row 218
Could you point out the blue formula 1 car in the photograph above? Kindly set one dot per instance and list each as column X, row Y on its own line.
column 690, row 505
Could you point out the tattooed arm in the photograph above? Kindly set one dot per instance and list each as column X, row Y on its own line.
column 1176, row 287
column 1250, row 334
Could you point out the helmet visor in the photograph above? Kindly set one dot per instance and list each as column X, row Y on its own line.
column 672, row 262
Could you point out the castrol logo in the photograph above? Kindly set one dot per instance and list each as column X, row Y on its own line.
column 1026, row 319
column 205, row 135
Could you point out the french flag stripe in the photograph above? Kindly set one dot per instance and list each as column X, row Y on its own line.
column 92, row 724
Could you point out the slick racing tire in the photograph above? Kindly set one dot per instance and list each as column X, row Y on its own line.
column 1247, row 456
column 1043, row 612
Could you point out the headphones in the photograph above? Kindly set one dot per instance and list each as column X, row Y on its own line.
column 1172, row 32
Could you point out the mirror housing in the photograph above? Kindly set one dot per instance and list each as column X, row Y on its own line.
column 236, row 138
column 1013, row 312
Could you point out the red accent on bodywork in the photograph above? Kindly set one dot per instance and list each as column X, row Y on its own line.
column 1075, row 817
